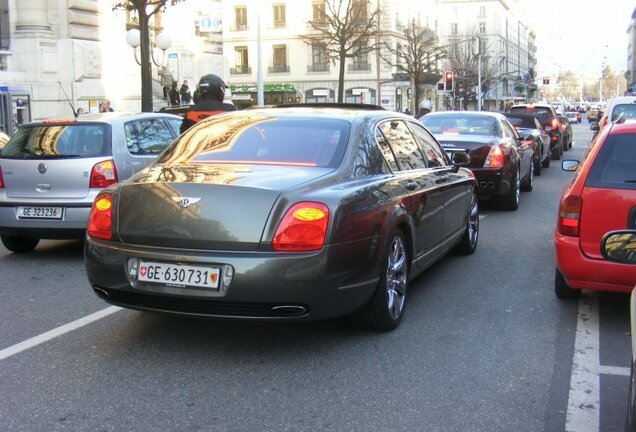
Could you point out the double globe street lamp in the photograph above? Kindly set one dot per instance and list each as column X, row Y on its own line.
column 136, row 39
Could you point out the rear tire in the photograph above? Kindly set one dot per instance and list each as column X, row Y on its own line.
column 528, row 183
column 468, row 243
column 546, row 162
column 19, row 244
column 561, row 288
column 510, row 201
column 537, row 164
column 386, row 308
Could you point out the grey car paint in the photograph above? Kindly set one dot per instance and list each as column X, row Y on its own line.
column 232, row 226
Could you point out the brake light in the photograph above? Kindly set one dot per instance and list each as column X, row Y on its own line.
column 554, row 124
column 570, row 216
column 103, row 174
column 495, row 158
column 303, row 228
column 1, row 179
column 100, row 221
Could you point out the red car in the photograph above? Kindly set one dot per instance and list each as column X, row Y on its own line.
column 601, row 197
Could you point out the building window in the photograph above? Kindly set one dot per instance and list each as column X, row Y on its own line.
column 482, row 27
column 361, row 61
column 454, row 28
column 280, row 59
column 359, row 10
column 279, row 15
column 318, row 8
column 5, row 29
column 482, row 11
column 241, row 61
column 319, row 60
column 240, row 17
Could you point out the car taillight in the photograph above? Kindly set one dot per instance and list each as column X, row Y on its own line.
column 100, row 221
column 495, row 158
column 570, row 216
column 1, row 179
column 303, row 228
column 103, row 174
column 563, row 127
column 555, row 124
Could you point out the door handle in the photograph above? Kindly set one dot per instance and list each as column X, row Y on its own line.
column 411, row 185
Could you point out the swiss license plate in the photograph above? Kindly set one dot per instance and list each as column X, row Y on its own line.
column 40, row 212
column 179, row 274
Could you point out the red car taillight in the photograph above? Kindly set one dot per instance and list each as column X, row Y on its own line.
column 555, row 124
column 570, row 216
column 495, row 158
column 100, row 221
column 1, row 179
column 303, row 228
column 103, row 174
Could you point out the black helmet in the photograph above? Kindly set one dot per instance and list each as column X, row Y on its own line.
column 212, row 85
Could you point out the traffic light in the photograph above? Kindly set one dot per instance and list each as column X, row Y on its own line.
column 546, row 80
column 449, row 80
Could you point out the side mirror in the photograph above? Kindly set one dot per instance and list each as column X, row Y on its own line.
column 619, row 246
column 570, row 165
column 595, row 127
column 460, row 159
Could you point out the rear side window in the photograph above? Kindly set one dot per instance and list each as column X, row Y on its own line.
column 544, row 115
column 628, row 109
column 263, row 140
column 59, row 142
column 149, row 136
column 615, row 164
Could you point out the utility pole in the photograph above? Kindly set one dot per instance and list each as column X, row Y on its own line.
column 478, row 51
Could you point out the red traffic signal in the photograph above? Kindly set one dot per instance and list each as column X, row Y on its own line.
column 449, row 80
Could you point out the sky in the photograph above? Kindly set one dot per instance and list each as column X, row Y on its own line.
column 589, row 34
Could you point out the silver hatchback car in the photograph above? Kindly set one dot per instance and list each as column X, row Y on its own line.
column 51, row 171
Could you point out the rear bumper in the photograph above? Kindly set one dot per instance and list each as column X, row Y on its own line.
column 335, row 281
column 71, row 225
column 492, row 181
column 582, row 272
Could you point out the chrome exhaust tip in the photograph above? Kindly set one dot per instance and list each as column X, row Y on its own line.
column 288, row 310
column 101, row 293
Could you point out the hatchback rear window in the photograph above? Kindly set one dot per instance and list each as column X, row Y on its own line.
column 524, row 122
column 628, row 109
column 263, row 140
column 544, row 115
column 58, row 142
column 615, row 164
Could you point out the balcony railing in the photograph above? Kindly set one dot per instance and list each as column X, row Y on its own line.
column 278, row 69
column 239, row 27
column 241, row 70
column 360, row 67
column 318, row 67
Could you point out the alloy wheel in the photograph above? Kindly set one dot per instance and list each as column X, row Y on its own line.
column 396, row 274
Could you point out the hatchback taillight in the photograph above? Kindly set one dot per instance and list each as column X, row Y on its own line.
column 555, row 124
column 103, row 174
column 570, row 216
column 303, row 228
column 100, row 220
column 495, row 158
column 1, row 179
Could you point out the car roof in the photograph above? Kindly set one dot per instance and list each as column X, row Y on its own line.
column 627, row 126
column 492, row 114
column 336, row 112
column 109, row 117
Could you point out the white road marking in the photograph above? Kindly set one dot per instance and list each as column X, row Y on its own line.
column 583, row 413
column 56, row 332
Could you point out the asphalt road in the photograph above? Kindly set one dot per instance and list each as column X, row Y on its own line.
column 484, row 346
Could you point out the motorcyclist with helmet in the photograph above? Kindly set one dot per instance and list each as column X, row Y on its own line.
column 212, row 89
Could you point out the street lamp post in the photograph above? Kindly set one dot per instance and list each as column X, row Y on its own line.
column 136, row 38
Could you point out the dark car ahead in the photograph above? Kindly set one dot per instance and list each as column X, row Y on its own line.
column 284, row 213
column 531, row 130
column 547, row 116
column 500, row 159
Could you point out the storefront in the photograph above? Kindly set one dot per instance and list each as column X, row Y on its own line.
column 245, row 95
column 317, row 95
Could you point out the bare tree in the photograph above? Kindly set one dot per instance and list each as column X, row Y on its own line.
column 418, row 56
column 343, row 29
column 465, row 64
column 144, row 10
column 569, row 85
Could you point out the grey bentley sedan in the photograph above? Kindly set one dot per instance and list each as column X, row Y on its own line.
column 289, row 213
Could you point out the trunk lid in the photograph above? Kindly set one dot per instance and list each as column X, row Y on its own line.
column 221, row 207
column 476, row 146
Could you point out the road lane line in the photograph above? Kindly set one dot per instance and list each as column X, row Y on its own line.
column 584, row 400
column 56, row 332
column 613, row 370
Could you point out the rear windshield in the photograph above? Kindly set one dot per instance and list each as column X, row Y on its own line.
column 525, row 122
column 615, row 164
column 58, row 142
column 262, row 140
column 544, row 115
column 628, row 109
column 464, row 125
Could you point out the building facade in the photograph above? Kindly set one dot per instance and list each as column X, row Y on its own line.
column 56, row 52
column 507, row 45
column 630, row 72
